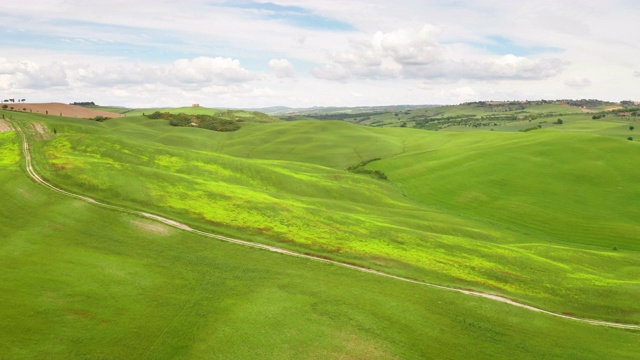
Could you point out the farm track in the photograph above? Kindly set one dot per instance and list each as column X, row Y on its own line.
column 29, row 167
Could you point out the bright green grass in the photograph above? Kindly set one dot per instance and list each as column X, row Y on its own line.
column 481, row 210
column 79, row 281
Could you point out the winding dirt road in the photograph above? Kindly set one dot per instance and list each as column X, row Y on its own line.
column 178, row 225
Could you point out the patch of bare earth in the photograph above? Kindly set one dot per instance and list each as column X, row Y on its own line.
column 59, row 109
column 152, row 227
column 5, row 126
column 354, row 347
column 25, row 194
column 41, row 131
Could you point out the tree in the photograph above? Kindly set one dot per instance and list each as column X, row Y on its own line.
column 630, row 138
column 559, row 122
column 631, row 127
column 5, row 106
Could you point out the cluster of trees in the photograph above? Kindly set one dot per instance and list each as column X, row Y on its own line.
column 537, row 127
column 587, row 103
column 13, row 100
column 210, row 122
column 345, row 116
column 360, row 169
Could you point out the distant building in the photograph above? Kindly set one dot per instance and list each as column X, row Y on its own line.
column 195, row 105
column 624, row 114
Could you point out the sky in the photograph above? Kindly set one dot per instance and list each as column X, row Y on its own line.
column 300, row 53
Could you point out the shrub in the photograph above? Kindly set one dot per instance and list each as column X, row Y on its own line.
column 630, row 138
column 360, row 169
column 201, row 121
column 5, row 106
column 631, row 127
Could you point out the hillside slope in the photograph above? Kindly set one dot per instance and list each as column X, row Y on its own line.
column 287, row 184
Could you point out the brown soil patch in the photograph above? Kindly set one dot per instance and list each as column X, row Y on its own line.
column 25, row 194
column 152, row 227
column 358, row 347
column 59, row 109
column 41, row 130
column 5, row 126
column 79, row 314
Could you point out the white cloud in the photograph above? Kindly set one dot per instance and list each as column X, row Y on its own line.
column 407, row 53
column 578, row 83
column 30, row 75
column 203, row 70
column 282, row 68
column 188, row 73
column 63, row 47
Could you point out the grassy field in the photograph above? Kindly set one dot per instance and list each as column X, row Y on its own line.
column 113, row 109
column 545, row 217
column 502, row 116
column 79, row 281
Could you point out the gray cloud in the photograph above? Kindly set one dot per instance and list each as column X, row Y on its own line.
column 418, row 54
column 578, row 83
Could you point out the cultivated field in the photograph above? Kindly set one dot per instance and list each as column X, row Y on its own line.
column 59, row 109
column 545, row 217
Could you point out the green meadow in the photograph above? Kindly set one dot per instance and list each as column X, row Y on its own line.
column 546, row 217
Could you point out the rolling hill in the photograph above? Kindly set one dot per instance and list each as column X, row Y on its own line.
column 544, row 217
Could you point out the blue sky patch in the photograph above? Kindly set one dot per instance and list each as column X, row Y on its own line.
column 292, row 15
column 503, row 46
column 135, row 51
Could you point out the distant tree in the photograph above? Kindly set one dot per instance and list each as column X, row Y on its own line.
column 631, row 127
column 559, row 122
column 5, row 106
column 630, row 138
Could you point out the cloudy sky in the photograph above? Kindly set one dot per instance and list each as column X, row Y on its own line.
column 301, row 53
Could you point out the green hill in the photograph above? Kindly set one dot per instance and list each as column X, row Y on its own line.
column 476, row 115
column 544, row 217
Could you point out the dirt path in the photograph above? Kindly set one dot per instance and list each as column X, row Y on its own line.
column 178, row 225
